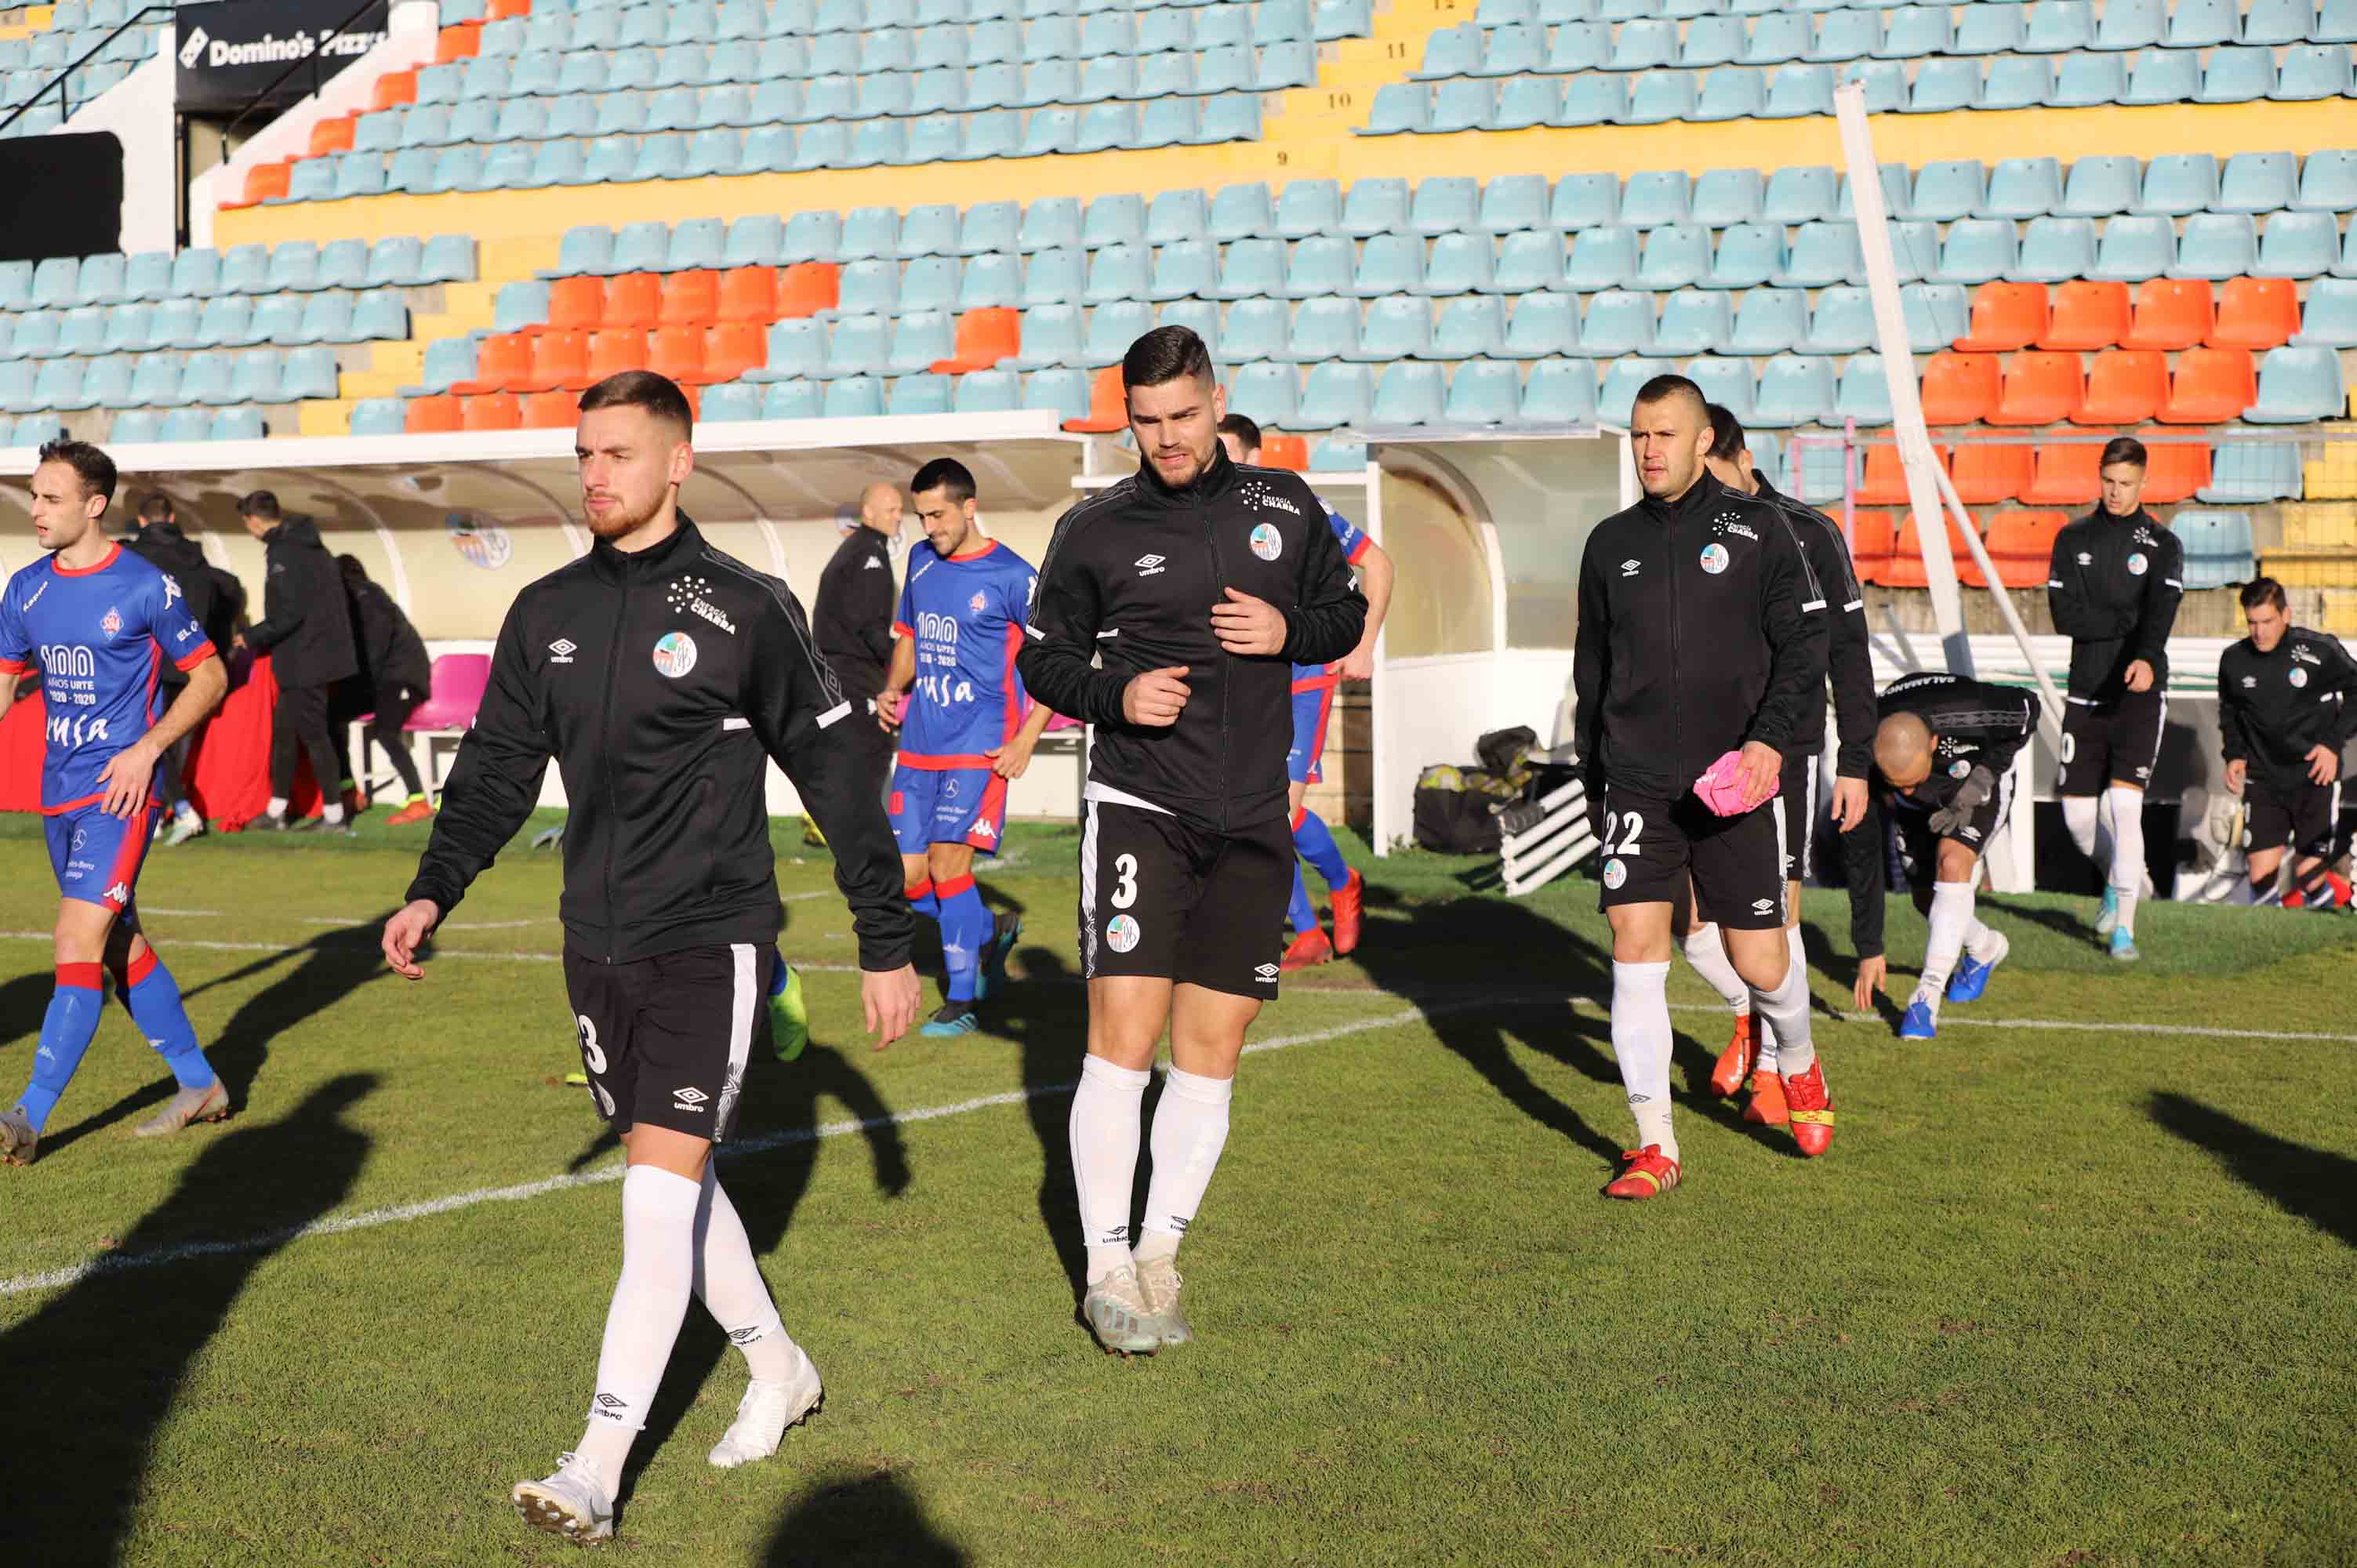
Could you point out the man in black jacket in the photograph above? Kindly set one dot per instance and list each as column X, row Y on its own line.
column 662, row 676
column 155, row 535
column 1195, row 586
column 1749, row 1061
column 2113, row 587
column 394, row 668
column 1943, row 754
column 853, row 618
column 2284, row 716
column 1701, row 632
column 307, row 629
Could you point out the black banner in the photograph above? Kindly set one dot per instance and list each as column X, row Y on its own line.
column 61, row 195
column 231, row 51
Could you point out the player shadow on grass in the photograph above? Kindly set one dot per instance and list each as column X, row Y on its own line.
column 102, row 1363
column 25, row 999
column 326, row 968
column 1045, row 1014
column 2314, row 1184
column 847, row 1518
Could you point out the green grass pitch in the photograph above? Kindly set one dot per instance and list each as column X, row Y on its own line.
column 2077, row 1283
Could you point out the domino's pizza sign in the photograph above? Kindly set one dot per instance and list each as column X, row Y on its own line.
column 233, row 53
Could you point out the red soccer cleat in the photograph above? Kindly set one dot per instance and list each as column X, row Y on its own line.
column 1735, row 1062
column 1766, row 1107
column 1810, row 1109
column 1309, row 948
column 1650, row 1173
column 415, row 812
column 1347, row 907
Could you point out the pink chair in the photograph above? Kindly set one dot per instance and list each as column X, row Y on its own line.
column 448, row 711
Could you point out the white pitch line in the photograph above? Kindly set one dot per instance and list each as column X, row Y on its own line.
column 398, row 1214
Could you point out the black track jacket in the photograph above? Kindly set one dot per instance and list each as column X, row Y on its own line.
column 306, row 625
column 661, row 681
column 1850, row 657
column 853, row 616
column 182, row 559
column 1131, row 575
column 391, row 653
column 1701, row 630
column 2114, row 586
column 2273, row 708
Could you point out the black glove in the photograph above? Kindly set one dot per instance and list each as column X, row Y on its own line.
column 1977, row 787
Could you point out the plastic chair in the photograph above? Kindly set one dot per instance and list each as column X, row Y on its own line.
column 2256, row 312
column 2039, row 388
column 1696, row 321
column 1563, row 391
column 2218, row 547
column 2296, row 385
column 2330, row 320
column 2136, row 248
column 1957, row 389
column 2252, row 471
column 2006, row 316
column 1985, row 473
column 2216, row 246
column 1794, row 390
column 2066, row 474
column 1408, row 393
column 2313, row 71
column 2055, row 250
column 2211, row 386
column 2087, row 315
column 2171, row 313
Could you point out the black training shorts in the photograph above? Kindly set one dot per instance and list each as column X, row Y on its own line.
column 1652, row 845
column 2280, row 811
column 2117, row 740
column 665, row 1039
column 1161, row 897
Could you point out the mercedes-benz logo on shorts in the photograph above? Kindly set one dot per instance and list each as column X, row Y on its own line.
column 1615, row 872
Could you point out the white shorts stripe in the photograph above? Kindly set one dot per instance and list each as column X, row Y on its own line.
column 745, row 996
column 1089, row 891
column 1781, row 880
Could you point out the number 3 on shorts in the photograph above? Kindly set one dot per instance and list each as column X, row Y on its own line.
column 1612, row 826
column 1124, row 888
column 591, row 1057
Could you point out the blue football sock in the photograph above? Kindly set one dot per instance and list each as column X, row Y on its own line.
column 924, row 900
column 779, row 974
column 1304, row 913
column 66, row 1031
column 1315, row 842
column 153, row 998
column 966, row 928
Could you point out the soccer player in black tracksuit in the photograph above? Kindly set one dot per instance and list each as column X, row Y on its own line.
column 1943, row 757
column 307, row 629
column 662, row 676
column 1197, row 585
column 852, row 620
column 2115, row 584
column 1700, row 632
column 397, row 676
column 1749, row 1061
column 2284, row 715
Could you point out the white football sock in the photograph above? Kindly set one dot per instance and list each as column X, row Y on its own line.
column 1952, row 914
column 1767, row 1058
column 1978, row 940
column 1787, row 1007
column 1105, row 1134
column 650, row 1301
column 1707, row 954
column 729, row 1283
column 1190, row 1128
column 278, row 806
column 332, row 813
column 1640, row 1041
column 2079, row 814
column 2128, row 851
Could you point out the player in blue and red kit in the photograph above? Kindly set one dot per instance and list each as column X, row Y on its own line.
column 966, row 728
column 99, row 623
column 1314, row 686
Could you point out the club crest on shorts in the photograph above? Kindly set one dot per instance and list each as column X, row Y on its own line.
column 1267, row 542
column 2137, row 564
column 1713, row 558
column 2298, row 677
column 675, row 654
column 1615, row 872
column 1121, row 934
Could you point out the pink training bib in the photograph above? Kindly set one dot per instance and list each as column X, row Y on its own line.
column 1720, row 789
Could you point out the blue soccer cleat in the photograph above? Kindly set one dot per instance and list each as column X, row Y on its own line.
column 1003, row 936
column 954, row 1018
column 1921, row 1023
column 2108, row 921
column 1972, row 974
column 2123, row 946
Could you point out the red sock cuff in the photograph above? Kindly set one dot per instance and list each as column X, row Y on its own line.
column 1299, row 813
column 919, row 891
column 140, row 968
column 85, row 976
column 952, row 889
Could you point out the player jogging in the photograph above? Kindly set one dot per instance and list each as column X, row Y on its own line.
column 1942, row 759
column 2284, row 715
column 967, row 729
column 1700, row 633
column 663, row 676
column 2114, row 586
column 100, row 624
column 1749, row 1061
column 1198, row 582
column 1314, row 689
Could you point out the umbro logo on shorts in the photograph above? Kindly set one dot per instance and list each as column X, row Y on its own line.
column 688, row 1099
column 1762, row 905
column 1266, row 974
column 561, row 650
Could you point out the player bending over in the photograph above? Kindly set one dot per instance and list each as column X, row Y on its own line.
column 2284, row 715
column 967, row 729
column 98, row 623
column 1314, row 687
column 664, row 677
column 1942, row 761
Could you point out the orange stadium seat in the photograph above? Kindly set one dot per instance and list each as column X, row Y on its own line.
column 556, row 410
column 748, row 293
column 2066, row 475
column 1959, row 388
column 559, row 358
column 1285, row 452
column 492, row 411
column 2021, row 544
column 1906, row 567
column 614, row 351
column 1884, row 481
column 459, row 41
column 689, row 299
column 503, row 10
column 678, row 352
column 806, row 288
column 1872, row 534
column 2256, row 312
column 331, row 136
column 2088, row 314
column 1108, row 411
column 502, row 359
column 263, row 181
column 431, row 416
column 1986, row 472
column 2040, row 388
column 2212, row 386
column 2006, row 316
column 2170, row 313
column 2125, row 386
column 985, row 336
column 633, row 300
column 2174, row 470
column 576, row 305
column 733, row 347
column 394, row 90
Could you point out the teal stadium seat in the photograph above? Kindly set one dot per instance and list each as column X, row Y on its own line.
column 988, row 391
column 1794, row 390
column 1483, row 393
column 1823, row 254
column 1444, row 204
column 2217, row 546
column 2250, row 472
column 1255, row 329
column 1619, row 321
column 1328, row 329
column 1950, row 189
column 1696, row 321
column 2101, row 186
column 2259, row 183
column 2178, row 184
column 2055, row 250
column 2135, row 247
column 1594, row 100
column 1841, row 323
column 920, row 394
column 2022, row 188
column 2297, row 246
column 1528, row 262
column 1864, row 395
column 1335, row 395
column 2329, row 317
column 1470, row 327
column 870, row 287
column 1268, row 394
column 448, row 362
column 2313, row 71
column 1770, row 321
column 2242, row 75
column 1601, row 258
column 1056, row 277
column 2216, row 245
column 2277, row 21
column 1584, row 201
column 1459, row 263
column 1063, row 392
column 1731, row 93
column 1407, row 394
column 1654, row 198
column 130, row 329
column 1675, row 256
column 1748, row 254
column 2299, row 384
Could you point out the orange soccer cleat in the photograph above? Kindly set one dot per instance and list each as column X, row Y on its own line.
column 1650, row 1173
column 1735, row 1062
column 1766, row 1107
column 1307, row 948
column 1810, row 1109
column 415, row 812
column 1347, row 907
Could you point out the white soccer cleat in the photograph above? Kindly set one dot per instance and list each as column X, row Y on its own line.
column 17, row 1138
column 766, row 1412
column 1118, row 1313
column 1159, row 1278
column 183, row 830
column 569, row 1503
column 210, row 1103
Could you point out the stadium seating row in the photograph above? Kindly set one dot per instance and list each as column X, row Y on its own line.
column 167, row 380
column 1886, row 549
column 2057, row 25
column 230, row 321
column 1063, row 26
column 202, row 273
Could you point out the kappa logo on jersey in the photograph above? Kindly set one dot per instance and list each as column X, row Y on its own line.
column 111, row 622
column 1267, row 542
column 1615, row 872
column 688, row 1099
column 2137, row 564
column 873, row 563
column 675, row 654
column 1121, row 934
column 118, row 894
column 1715, row 558
column 172, row 589
column 1148, row 565
column 2298, row 677
column 1630, row 568
column 983, row 830
column 687, row 594
column 561, row 650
